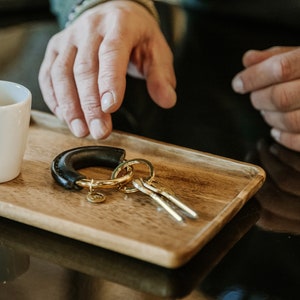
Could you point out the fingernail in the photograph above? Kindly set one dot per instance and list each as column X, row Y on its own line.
column 107, row 101
column 98, row 129
column 238, row 85
column 78, row 128
column 275, row 133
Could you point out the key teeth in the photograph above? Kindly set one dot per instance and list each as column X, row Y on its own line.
column 172, row 198
column 139, row 184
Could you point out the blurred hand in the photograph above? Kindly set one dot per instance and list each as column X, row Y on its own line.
column 83, row 75
column 272, row 77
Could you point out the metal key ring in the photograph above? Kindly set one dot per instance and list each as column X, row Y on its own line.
column 106, row 183
column 127, row 164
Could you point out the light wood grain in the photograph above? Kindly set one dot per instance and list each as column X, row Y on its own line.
column 214, row 186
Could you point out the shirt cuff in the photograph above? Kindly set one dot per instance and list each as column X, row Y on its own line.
column 82, row 5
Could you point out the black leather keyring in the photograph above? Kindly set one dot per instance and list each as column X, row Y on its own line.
column 65, row 165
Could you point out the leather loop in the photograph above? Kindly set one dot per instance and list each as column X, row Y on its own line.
column 64, row 166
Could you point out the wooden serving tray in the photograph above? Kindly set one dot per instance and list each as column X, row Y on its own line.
column 216, row 187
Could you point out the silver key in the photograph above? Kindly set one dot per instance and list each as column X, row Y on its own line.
column 138, row 184
column 157, row 188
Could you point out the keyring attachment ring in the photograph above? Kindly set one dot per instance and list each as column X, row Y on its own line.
column 128, row 164
column 106, row 183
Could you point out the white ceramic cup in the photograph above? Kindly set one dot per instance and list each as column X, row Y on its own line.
column 15, row 107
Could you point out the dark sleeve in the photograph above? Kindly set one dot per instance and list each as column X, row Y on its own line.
column 67, row 11
column 62, row 9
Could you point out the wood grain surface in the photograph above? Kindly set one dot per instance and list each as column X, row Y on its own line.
column 216, row 187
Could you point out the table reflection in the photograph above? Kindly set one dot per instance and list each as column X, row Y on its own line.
column 265, row 264
column 13, row 263
column 94, row 263
column 280, row 195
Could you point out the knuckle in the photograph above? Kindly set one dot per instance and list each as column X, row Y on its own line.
column 283, row 68
column 67, row 106
column 292, row 121
column 84, row 68
column 275, row 48
column 281, row 98
column 249, row 82
column 111, row 45
column 54, row 41
column 59, row 69
column 90, row 107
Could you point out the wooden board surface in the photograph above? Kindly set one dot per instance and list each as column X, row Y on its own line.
column 215, row 187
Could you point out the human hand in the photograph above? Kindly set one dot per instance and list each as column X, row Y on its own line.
column 272, row 77
column 279, row 197
column 83, row 74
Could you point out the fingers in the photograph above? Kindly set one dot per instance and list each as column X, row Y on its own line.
column 68, row 81
column 278, row 68
column 161, row 83
column 160, row 75
column 155, row 67
column 283, row 121
column 85, row 70
column 288, row 139
column 272, row 77
column 282, row 97
column 66, row 91
column 280, row 108
column 114, row 56
column 285, row 127
column 45, row 81
column 57, row 84
column 253, row 57
column 83, row 76
column 161, row 88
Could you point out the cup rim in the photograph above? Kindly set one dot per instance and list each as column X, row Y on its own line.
column 27, row 96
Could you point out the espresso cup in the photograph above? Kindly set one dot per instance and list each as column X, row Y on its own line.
column 15, row 107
